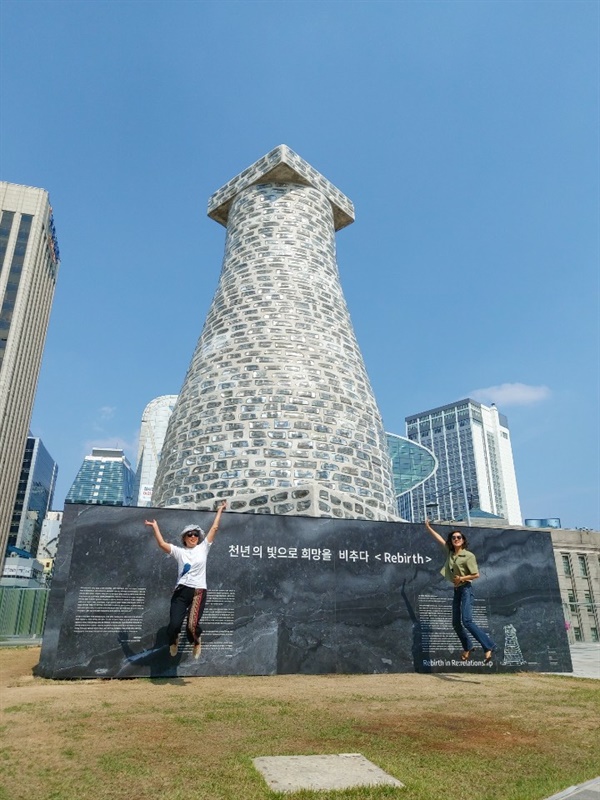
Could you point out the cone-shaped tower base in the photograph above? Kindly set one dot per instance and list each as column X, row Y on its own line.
column 276, row 412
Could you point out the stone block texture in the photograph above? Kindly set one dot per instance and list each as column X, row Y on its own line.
column 276, row 412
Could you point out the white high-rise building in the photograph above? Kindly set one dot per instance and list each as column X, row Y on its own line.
column 475, row 471
column 48, row 545
column 155, row 420
column 50, row 535
column 277, row 413
column 29, row 261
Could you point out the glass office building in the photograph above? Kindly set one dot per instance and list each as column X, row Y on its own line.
column 34, row 496
column 105, row 478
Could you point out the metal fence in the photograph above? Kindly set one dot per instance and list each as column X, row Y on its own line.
column 22, row 612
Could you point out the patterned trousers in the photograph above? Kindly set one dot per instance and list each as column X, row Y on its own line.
column 190, row 601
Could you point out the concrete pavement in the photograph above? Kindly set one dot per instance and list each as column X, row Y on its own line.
column 590, row 790
column 586, row 660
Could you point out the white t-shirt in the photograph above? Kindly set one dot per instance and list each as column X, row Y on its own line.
column 191, row 564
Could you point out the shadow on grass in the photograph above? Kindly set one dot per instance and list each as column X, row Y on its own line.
column 155, row 656
column 441, row 676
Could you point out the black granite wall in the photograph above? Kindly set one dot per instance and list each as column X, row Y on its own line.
column 294, row 594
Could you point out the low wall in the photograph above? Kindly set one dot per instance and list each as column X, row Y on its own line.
column 294, row 595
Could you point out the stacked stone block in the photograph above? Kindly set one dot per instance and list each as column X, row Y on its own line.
column 276, row 412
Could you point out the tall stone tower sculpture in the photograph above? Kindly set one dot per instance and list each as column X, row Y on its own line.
column 276, row 412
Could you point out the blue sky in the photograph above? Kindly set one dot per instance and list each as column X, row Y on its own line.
column 465, row 133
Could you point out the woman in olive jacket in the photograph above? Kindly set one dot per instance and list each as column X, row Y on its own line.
column 461, row 569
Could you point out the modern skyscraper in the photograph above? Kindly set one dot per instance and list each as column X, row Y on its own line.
column 29, row 261
column 276, row 411
column 155, row 419
column 105, row 478
column 475, row 464
column 34, row 496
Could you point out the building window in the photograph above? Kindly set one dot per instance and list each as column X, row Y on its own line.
column 572, row 601
column 13, row 280
column 5, row 226
column 566, row 565
column 583, row 568
column 577, row 634
column 594, row 632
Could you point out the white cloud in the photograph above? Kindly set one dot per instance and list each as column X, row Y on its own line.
column 107, row 412
column 511, row 394
column 102, row 415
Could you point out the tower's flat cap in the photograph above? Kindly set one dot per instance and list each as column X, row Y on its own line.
column 281, row 165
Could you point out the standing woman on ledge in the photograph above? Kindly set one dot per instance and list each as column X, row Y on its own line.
column 461, row 569
column 189, row 596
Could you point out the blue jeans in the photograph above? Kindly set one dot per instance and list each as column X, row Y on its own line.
column 462, row 619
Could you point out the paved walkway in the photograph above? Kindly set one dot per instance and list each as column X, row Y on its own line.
column 586, row 664
column 585, row 791
column 586, row 660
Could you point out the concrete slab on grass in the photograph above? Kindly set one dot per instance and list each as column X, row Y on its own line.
column 343, row 771
column 585, row 791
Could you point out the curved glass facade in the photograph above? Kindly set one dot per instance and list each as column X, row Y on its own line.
column 411, row 463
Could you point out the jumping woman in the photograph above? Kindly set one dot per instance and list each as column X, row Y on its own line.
column 189, row 596
column 461, row 569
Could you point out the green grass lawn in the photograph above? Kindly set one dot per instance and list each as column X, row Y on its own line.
column 477, row 737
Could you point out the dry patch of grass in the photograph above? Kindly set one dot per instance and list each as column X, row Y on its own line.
column 488, row 737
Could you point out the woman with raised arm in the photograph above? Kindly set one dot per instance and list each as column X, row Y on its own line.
column 189, row 596
column 461, row 569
